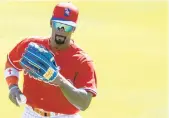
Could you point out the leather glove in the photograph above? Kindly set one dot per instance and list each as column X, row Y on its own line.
column 39, row 63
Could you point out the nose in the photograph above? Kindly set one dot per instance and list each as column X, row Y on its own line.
column 61, row 29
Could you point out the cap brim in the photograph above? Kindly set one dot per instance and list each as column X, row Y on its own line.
column 64, row 22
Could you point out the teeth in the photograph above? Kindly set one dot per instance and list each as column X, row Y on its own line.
column 59, row 36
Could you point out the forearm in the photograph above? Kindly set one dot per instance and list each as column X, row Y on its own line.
column 78, row 97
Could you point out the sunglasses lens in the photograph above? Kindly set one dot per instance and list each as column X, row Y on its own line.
column 67, row 28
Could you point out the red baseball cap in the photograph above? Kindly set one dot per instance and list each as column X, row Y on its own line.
column 66, row 13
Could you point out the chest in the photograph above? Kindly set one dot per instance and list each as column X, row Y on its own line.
column 68, row 66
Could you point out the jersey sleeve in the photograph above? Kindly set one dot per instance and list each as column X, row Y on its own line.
column 86, row 77
column 16, row 53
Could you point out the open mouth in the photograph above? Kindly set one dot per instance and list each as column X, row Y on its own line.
column 59, row 39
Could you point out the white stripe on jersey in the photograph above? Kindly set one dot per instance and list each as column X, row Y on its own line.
column 13, row 64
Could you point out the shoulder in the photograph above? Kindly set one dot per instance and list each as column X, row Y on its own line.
column 37, row 39
column 80, row 55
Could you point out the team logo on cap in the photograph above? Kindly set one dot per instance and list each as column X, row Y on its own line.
column 67, row 12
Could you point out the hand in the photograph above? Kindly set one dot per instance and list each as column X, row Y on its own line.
column 14, row 93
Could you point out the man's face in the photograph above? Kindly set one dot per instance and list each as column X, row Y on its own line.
column 61, row 33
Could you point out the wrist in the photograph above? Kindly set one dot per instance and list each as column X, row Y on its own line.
column 12, row 80
column 12, row 86
column 58, row 80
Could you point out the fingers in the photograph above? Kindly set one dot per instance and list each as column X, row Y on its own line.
column 13, row 99
column 14, row 94
column 18, row 97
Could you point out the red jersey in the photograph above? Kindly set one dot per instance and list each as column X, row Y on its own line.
column 75, row 66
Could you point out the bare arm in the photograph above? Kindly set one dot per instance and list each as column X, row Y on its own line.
column 78, row 97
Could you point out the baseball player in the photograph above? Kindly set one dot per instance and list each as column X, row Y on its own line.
column 66, row 84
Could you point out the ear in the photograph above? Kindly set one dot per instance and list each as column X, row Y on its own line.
column 74, row 28
column 51, row 22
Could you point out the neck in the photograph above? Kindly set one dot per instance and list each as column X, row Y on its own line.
column 61, row 46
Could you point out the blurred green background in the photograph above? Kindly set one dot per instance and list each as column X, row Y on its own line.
column 127, row 41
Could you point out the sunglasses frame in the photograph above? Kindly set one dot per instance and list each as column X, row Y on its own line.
column 67, row 28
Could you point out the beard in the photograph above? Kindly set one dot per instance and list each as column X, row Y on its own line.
column 59, row 39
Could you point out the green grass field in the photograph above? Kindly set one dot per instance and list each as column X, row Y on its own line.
column 126, row 40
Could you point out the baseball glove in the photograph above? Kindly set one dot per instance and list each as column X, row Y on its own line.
column 39, row 63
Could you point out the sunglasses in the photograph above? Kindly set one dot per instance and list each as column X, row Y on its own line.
column 60, row 26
